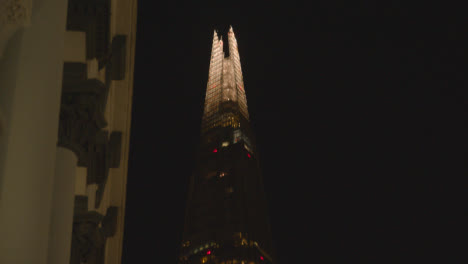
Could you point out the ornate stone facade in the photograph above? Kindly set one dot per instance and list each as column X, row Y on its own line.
column 90, row 231
column 81, row 117
column 92, row 17
column 82, row 126
column 37, row 40
column 14, row 14
column 81, row 130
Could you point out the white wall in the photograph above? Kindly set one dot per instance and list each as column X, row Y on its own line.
column 30, row 89
column 63, row 201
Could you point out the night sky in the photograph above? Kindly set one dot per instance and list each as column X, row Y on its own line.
column 360, row 117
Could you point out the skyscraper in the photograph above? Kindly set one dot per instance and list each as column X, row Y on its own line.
column 226, row 217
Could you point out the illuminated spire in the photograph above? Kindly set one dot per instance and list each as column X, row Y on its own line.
column 239, row 82
column 231, row 33
column 225, row 86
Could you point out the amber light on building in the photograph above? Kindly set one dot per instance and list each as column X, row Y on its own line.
column 226, row 219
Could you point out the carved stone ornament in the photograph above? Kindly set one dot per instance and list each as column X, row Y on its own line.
column 14, row 14
column 81, row 117
column 90, row 231
column 105, row 155
column 80, row 130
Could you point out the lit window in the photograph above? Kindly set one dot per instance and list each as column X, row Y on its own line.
column 186, row 244
column 221, row 174
column 225, row 144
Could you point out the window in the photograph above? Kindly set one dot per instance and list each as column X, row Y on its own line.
column 186, row 244
column 237, row 134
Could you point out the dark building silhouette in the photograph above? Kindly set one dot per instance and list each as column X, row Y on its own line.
column 226, row 218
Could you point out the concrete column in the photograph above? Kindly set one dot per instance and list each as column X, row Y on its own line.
column 62, row 207
column 30, row 89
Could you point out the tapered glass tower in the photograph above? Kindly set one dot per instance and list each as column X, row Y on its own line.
column 226, row 217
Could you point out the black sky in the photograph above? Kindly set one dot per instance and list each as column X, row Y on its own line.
column 359, row 111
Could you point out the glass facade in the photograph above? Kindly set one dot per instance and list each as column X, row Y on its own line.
column 226, row 219
column 225, row 95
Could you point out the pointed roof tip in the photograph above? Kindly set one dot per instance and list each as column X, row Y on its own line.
column 230, row 28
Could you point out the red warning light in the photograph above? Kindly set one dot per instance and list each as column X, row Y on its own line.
column 215, row 150
column 248, row 155
column 261, row 257
column 208, row 252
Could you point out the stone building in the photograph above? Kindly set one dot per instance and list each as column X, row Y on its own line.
column 66, row 81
